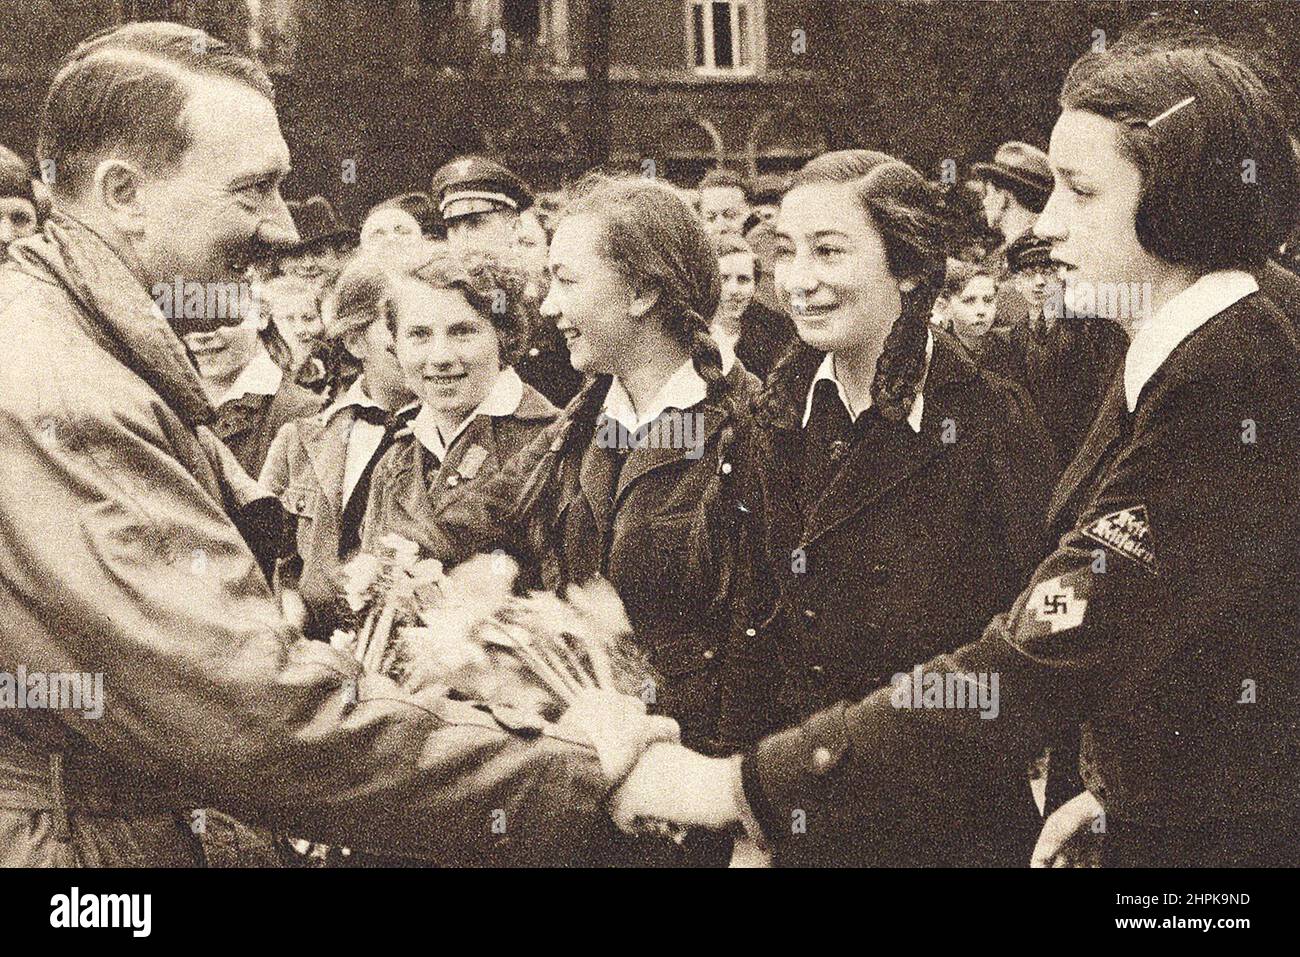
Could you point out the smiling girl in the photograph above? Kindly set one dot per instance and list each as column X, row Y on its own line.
column 631, row 480
column 1175, row 574
column 458, row 323
column 899, row 490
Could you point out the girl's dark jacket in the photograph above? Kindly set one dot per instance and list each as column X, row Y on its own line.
column 915, row 543
column 571, row 510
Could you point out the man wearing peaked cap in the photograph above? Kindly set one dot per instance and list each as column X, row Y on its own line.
column 480, row 201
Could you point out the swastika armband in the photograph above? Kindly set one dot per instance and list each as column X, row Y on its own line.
column 1055, row 605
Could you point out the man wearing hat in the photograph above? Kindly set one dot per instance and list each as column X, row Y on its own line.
column 480, row 202
column 1016, row 186
column 325, row 242
column 1065, row 361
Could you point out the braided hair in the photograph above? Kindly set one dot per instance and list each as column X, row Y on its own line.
column 656, row 241
column 916, row 226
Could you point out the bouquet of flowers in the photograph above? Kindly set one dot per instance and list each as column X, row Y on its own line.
column 469, row 632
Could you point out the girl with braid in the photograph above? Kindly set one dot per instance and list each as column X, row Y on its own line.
column 634, row 482
column 898, row 492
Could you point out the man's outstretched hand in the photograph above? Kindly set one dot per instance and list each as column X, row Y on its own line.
column 672, row 783
column 617, row 726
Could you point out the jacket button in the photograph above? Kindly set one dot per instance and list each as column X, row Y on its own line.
column 817, row 669
column 726, row 468
column 453, row 480
column 810, row 614
column 708, row 655
column 750, row 633
column 822, row 759
column 534, row 352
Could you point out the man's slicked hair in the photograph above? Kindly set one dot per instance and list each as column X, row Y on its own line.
column 123, row 92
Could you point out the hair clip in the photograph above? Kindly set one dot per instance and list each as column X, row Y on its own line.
column 1171, row 111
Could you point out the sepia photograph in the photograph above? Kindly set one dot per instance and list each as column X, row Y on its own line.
column 650, row 434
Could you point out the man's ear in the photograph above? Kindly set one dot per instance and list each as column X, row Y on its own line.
column 117, row 191
column 354, row 340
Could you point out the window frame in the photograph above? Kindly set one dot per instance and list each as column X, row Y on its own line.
column 751, row 51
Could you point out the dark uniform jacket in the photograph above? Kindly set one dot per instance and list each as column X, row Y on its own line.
column 1165, row 622
column 645, row 518
column 1067, row 369
column 410, row 481
column 916, row 541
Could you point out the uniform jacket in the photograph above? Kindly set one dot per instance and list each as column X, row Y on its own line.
column 118, row 556
column 1172, row 589
column 409, row 481
column 914, row 545
column 250, row 423
column 558, row 507
column 305, row 468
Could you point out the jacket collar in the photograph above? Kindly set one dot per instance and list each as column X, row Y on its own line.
column 682, row 390
column 116, row 308
column 872, row 469
column 827, row 371
column 508, row 396
column 1177, row 319
column 262, row 376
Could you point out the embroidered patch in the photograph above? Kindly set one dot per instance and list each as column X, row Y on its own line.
column 1057, row 604
column 1127, row 533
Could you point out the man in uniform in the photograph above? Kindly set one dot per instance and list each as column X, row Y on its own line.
column 121, row 553
column 480, row 202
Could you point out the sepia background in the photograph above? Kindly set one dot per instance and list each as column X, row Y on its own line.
column 374, row 95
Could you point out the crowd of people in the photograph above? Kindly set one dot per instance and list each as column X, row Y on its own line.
column 1032, row 435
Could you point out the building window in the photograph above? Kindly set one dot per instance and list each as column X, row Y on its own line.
column 723, row 35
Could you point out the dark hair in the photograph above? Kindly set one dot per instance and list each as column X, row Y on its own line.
column 124, row 90
column 1220, row 180
column 916, row 228
column 655, row 240
column 1030, row 197
column 721, row 178
column 961, row 271
column 15, row 177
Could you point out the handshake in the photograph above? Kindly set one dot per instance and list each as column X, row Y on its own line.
column 655, row 780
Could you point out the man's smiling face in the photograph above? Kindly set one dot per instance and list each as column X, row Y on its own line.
column 204, row 220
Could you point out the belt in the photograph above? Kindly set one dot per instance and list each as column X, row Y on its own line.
column 31, row 781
